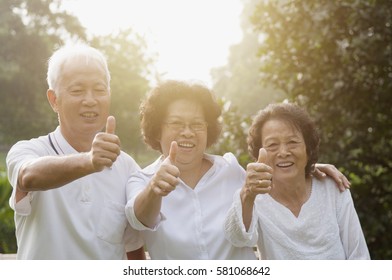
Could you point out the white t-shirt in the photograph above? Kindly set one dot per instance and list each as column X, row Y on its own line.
column 326, row 228
column 191, row 223
column 84, row 219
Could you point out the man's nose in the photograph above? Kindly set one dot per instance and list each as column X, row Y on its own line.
column 89, row 97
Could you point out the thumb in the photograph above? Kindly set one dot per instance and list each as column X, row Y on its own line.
column 262, row 156
column 173, row 152
column 110, row 125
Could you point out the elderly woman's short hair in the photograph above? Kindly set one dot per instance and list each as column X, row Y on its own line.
column 292, row 114
column 154, row 109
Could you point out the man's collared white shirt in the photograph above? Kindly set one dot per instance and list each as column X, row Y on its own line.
column 84, row 219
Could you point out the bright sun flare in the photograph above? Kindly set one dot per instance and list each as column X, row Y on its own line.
column 190, row 36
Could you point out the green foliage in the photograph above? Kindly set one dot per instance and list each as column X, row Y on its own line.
column 334, row 57
column 29, row 31
column 234, row 131
column 240, row 80
column 129, row 66
column 7, row 226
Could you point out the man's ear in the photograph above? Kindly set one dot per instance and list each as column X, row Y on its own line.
column 52, row 98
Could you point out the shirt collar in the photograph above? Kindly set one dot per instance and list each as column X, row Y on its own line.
column 153, row 167
column 62, row 146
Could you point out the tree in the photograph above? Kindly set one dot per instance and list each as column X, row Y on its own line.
column 240, row 81
column 7, row 227
column 334, row 58
column 234, row 132
column 130, row 66
column 29, row 31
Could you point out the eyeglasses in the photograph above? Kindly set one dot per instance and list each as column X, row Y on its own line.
column 179, row 126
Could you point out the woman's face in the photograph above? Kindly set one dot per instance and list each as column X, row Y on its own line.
column 286, row 150
column 185, row 123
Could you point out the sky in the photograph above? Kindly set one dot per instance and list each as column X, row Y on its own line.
column 189, row 36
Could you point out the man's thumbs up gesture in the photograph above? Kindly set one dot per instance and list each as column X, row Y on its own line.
column 166, row 179
column 110, row 125
column 258, row 176
column 105, row 147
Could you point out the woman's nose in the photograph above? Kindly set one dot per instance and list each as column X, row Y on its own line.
column 283, row 150
column 187, row 130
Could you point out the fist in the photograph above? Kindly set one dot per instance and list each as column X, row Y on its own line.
column 258, row 176
column 166, row 178
column 105, row 147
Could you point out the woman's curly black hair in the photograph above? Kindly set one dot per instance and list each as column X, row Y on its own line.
column 153, row 109
column 294, row 115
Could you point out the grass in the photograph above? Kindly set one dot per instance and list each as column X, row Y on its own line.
column 2, row 160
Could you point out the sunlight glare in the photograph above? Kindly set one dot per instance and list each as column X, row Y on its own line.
column 189, row 36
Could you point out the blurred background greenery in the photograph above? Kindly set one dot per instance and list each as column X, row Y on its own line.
column 332, row 57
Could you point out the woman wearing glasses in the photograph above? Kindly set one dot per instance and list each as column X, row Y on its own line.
column 180, row 201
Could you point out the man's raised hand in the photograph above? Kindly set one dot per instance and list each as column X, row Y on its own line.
column 106, row 146
column 110, row 125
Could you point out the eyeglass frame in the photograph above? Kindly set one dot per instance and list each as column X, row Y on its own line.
column 180, row 125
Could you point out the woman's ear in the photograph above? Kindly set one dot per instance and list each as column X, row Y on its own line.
column 52, row 98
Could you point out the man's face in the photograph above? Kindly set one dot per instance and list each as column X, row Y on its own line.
column 82, row 98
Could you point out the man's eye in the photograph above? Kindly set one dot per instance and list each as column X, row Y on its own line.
column 100, row 91
column 76, row 91
column 177, row 124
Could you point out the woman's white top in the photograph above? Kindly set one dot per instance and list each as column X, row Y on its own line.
column 191, row 221
column 327, row 226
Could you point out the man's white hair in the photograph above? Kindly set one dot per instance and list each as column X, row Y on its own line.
column 71, row 51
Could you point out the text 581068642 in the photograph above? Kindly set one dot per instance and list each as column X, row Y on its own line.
column 235, row 270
